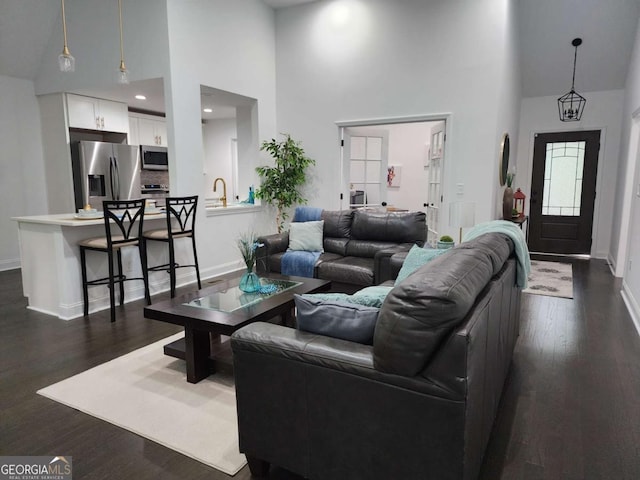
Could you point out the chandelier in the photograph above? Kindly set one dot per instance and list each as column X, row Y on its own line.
column 571, row 105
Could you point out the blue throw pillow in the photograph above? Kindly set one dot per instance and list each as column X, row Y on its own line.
column 416, row 258
column 335, row 318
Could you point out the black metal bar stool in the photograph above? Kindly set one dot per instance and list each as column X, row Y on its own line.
column 123, row 220
column 181, row 222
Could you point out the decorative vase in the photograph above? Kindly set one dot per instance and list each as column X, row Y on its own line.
column 507, row 203
column 249, row 282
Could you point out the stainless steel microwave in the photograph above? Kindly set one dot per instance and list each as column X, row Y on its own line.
column 154, row 157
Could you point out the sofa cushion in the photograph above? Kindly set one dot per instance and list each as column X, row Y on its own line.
column 416, row 257
column 306, row 236
column 337, row 223
column 354, row 270
column 396, row 227
column 336, row 245
column 367, row 248
column 337, row 319
column 426, row 306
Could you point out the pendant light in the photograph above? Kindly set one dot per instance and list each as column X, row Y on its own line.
column 123, row 74
column 571, row 105
column 65, row 60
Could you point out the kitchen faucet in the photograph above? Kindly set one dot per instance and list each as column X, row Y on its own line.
column 224, row 190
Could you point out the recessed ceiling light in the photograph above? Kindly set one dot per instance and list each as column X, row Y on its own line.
column 141, row 97
column 207, row 110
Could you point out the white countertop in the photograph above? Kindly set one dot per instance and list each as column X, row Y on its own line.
column 69, row 220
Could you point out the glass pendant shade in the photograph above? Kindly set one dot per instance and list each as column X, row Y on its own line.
column 123, row 73
column 66, row 61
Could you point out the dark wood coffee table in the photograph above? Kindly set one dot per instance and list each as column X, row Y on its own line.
column 221, row 310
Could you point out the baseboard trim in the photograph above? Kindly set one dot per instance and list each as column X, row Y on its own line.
column 612, row 264
column 10, row 264
column 632, row 305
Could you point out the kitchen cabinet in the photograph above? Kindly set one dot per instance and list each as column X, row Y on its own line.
column 147, row 130
column 97, row 114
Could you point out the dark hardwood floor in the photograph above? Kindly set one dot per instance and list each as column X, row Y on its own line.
column 570, row 409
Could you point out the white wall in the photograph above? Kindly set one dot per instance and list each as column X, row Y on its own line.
column 22, row 186
column 602, row 112
column 626, row 225
column 352, row 60
column 217, row 135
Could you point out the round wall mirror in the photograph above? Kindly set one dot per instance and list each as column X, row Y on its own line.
column 504, row 158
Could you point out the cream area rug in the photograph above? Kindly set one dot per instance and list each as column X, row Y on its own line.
column 551, row 278
column 146, row 392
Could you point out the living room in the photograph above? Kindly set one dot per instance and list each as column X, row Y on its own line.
column 313, row 65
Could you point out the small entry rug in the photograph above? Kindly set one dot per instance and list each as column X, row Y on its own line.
column 146, row 392
column 551, row 278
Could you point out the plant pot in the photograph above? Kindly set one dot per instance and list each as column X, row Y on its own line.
column 249, row 282
column 444, row 245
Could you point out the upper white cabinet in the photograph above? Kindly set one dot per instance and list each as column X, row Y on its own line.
column 97, row 114
column 147, row 130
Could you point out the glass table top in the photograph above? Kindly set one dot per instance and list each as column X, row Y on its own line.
column 233, row 298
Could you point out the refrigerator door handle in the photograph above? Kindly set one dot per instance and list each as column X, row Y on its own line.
column 113, row 178
column 117, row 179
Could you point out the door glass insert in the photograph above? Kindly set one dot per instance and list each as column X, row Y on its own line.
column 562, row 191
column 364, row 170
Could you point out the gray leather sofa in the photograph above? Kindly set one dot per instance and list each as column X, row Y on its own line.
column 357, row 246
column 417, row 404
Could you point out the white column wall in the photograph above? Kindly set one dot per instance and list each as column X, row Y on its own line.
column 22, row 183
column 626, row 225
column 228, row 46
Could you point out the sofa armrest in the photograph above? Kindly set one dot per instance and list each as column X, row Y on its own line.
column 271, row 244
column 382, row 268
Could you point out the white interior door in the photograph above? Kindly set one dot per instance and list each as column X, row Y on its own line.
column 435, row 183
column 365, row 154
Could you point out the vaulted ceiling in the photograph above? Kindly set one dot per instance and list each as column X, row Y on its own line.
column 546, row 28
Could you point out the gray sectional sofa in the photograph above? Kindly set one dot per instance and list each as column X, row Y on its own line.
column 357, row 246
column 418, row 403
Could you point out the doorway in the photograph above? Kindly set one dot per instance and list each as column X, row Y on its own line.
column 395, row 165
column 563, row 190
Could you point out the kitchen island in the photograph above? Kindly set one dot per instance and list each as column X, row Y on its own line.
column 50, row 257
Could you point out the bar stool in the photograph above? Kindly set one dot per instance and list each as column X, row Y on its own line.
column 123, row 220
column 181, row 218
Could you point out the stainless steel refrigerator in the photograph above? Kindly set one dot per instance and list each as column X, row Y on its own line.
column 104, row 171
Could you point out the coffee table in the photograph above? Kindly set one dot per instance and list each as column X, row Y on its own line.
column 221, row 310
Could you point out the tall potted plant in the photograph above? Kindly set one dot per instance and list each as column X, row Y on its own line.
column 281, row 183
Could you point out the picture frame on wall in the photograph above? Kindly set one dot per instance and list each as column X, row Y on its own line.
column 394, row 175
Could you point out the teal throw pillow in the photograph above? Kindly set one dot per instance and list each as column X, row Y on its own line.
column 337, row 319
column 370, row 296
column 416, row 258
column 306, row 236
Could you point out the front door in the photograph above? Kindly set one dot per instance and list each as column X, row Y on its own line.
column 563, row 190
